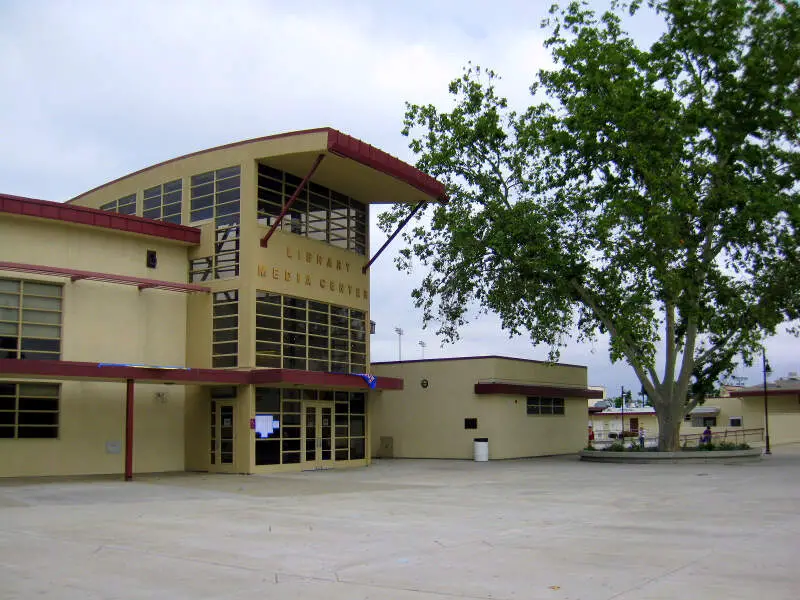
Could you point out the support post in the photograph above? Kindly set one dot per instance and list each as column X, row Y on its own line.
column 291, row 201
column 129, row 429
column 765, row 364
column 394, row 235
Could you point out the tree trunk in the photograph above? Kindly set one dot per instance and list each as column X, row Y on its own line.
column 670, row 417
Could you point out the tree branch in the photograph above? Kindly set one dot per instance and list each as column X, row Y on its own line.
column 626, row 346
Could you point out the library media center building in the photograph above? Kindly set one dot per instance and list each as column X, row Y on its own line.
column 208, row 313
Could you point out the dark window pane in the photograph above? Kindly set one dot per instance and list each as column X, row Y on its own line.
column 37, row 432
column 268, row 452
column 38, row 403
column 357, row 448
column 357, row 403
column 41, row 345
column 221, row 362
column 227, row 172
column 38, row 418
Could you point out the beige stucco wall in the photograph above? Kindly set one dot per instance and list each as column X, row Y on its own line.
column 784, row 417
column 429, row 422
column 103, row 322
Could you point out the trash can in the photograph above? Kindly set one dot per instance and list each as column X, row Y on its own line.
column 481, row 449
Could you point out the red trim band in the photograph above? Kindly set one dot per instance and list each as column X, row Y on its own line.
column 515, row 389
column 93, row 217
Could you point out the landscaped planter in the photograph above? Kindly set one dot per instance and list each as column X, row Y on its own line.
column 690, row 456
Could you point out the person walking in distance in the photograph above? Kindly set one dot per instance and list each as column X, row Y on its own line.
column 642, row 435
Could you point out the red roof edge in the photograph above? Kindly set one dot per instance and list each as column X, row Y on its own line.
column 354, row 149
column 93, row 217
column 517, row 389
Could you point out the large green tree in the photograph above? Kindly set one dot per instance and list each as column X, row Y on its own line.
column 648, row 193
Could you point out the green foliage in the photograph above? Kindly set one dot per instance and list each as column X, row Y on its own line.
column 652, row 196
column 712, row 447
column 615, row 447
column 628, row 397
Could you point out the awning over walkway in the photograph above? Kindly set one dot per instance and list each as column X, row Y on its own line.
column 705, row 410
column 69, row 370
column 130, row 374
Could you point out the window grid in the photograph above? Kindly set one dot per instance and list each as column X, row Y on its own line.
column 703, row 421
column 30, row 320
column 350, row 426
column 543, row 405
column 318, row 212
column 225, row 344
column 215, row 195
column 224, row 264
column 28, row 410
column 163, row 202
column 294, row 333
column 124, row 206
column 284, row 444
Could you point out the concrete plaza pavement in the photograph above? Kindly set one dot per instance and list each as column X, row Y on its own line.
column 550, row 528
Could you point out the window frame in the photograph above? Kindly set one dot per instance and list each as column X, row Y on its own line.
column 17, row 411
column 218, row 198
column 318, row 212
column 126, row 205
column 296, row 333
column 223, row 324
column 160, row 194
column 545, row 406
column 25, row 343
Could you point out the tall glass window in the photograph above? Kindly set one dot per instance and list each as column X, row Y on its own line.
column 225, row 348
column 215, row 195
column 279, row 424
column 224, row 264
column 30, row 320
column 295, row 333
column 318, row 213
column 163, row 202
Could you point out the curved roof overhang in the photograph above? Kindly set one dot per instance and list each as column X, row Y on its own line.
column 350, row 167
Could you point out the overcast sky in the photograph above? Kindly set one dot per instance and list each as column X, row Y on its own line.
column 94, row 90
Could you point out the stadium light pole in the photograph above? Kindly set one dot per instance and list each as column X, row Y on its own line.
column 399, row 333
column 767, row 370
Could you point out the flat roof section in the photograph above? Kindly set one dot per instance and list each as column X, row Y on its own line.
column 481, row 357
column 93, row 217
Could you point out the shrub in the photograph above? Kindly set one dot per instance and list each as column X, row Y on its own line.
column 616, row 447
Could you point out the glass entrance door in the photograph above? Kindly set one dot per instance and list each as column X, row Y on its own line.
column 222, row 437
column 317, row 435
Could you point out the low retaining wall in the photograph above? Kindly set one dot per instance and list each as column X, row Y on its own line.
column 689, row 456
